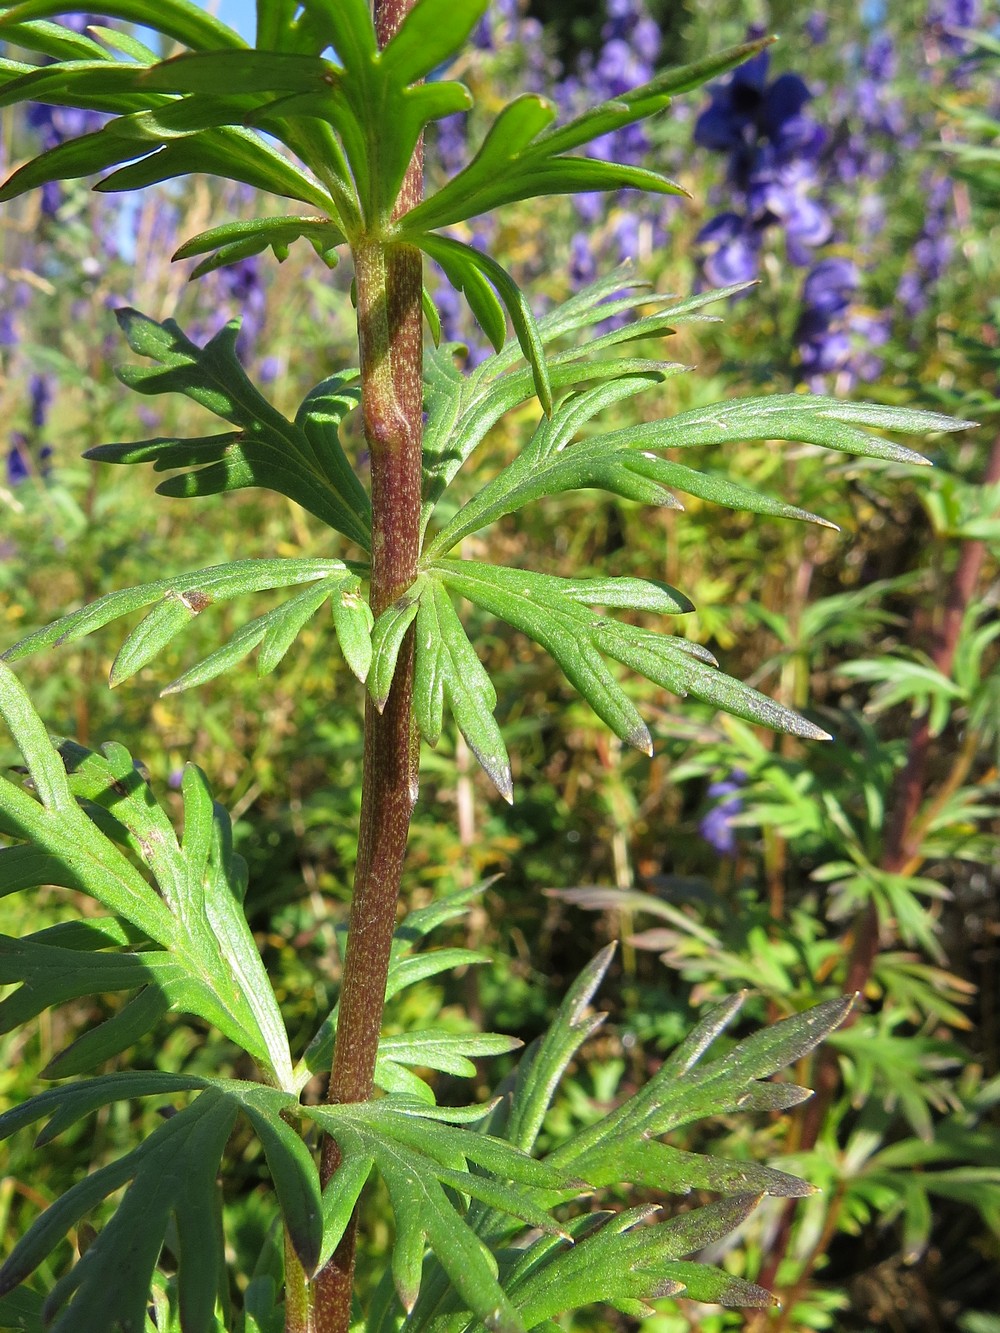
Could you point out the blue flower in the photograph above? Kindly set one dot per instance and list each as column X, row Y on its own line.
column 19, row 464
column 730, row 249
column 829, row 287
column 773, row 146
column 18, row 459
column 716, row 826
column 40, row 396
column 932, row 251
column 946, row 19
column 582, row 265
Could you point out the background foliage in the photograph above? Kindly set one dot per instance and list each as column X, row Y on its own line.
column 853, row 174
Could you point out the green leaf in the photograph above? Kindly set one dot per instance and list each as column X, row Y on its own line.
column 514, row 128
column 171, row 1170
column 170, row 1180
column 432, row 316
column 810, row 419
column 302, row 459
column 276, row 631
column 405, row 969
column 430, row 32
column 182, row 20
column 378, row 112
column 150, row 636
column 450, row 1052
column 470, row 693
column 179, row 600
column 285, row 623
column 89, row 804
column 462, row 408
column 646, row 100
column 467, row 277
column 83, row 156
column 353, row 621
column 544, row 1064
column 464, row 261
column 293, row 1172
column 387, row 639
column 117, row 1034
column 628, row 1261
column 540, row 470
column 522, row 157
column 230, row 152
column 252, row 236
column 51, row 39
column 124, row 42
column 428, row 674
column 339, row 1199
column 51, row 975
column 417, row 1156
column 70, row 1103
column 239, row 71
column 347, row 28
column 559, row 625
column 97, row 85
column 56, row 825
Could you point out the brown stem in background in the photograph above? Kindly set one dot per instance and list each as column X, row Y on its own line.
column 390, row 335
column 899, row 852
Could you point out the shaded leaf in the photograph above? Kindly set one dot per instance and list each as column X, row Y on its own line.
column 302, row 459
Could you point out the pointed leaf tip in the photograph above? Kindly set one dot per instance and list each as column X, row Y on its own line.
column 640, row 739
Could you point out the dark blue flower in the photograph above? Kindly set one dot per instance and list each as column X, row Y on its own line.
column 716, row 826
column 18, row 459
column 40, row 396
column 582, row 265
column 746, row 109
column 729, row 247
column 948, row 18
column 932, row 251
column 830, row 287
column 773, row 146
column 822, row 335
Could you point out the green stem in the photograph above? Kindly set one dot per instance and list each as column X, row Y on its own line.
column 298, row 1296
column 390, row 337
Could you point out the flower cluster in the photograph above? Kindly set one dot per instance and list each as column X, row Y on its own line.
column 932, row 250
column 949, row 20
column 773, row 148
column 831, row 337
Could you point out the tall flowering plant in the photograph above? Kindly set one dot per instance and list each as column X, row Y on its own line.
column 328, row 109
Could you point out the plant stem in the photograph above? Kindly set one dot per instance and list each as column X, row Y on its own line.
column 298, row 1293
column 390, row 335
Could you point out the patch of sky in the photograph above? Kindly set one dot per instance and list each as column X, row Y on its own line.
column 239, row 14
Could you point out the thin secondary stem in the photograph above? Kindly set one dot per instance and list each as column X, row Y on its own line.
column 390, row 336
